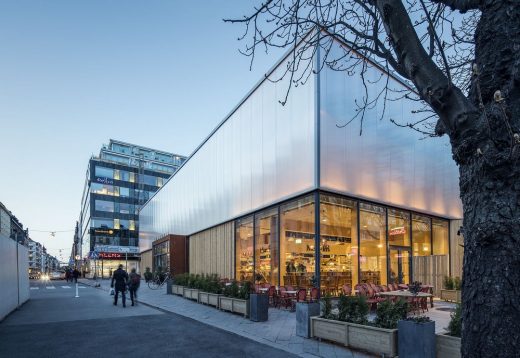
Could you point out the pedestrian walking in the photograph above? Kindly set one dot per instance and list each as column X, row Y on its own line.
column 68, row 275
column 75, row 275
column 133, row 285
column 121, row 278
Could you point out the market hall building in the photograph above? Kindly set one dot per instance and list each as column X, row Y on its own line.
column 280, row 194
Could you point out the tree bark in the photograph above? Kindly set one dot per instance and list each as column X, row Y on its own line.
column 490, row 189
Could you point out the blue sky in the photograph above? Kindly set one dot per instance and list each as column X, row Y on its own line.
column 73, row 74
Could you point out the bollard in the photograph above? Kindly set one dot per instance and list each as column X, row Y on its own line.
column 77, row 293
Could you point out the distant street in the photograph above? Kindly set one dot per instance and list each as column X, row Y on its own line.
column 56, row 324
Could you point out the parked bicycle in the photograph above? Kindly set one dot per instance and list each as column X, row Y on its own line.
column 158, row 280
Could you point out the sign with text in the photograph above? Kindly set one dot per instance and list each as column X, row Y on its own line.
column 105, row 181
column 117, row 249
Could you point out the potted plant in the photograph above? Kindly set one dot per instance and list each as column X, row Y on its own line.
column 179, row 282
column 379, row 337
column 236, row 298
column 191, row 292
column 417, row 337
column 148, row 275
column 449, row 344
column 304, row 311
column 210, row 290
column 451, row 291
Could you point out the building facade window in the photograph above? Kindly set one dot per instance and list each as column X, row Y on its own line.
column 372, row 253
column 161, row 257
column 440, row 230
column 297, row 242
column 338, row 243
column 102, row 223
column 266, row 247
column 421, row 235
column 103, row 205
column 103, row 172
column 244, row 249
column 104, row 189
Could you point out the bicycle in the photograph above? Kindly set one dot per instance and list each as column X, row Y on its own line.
column 158, row 281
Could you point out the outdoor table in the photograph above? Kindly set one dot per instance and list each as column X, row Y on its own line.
column 404, row 294
column 263, row 289
column 430, row 290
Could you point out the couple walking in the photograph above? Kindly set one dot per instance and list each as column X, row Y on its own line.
column 122, row 281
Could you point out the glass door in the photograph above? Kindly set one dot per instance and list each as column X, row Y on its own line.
column 399, row 265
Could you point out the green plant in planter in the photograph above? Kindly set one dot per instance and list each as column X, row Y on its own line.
column 245, row 290
column 448, row 283
column 353, row 309
column 455, row 325
column 181, row 279
column 148, row 275
column 419, row 319
column 326, row 307
column 231, row 290
column 389, row 313
column 457, row 283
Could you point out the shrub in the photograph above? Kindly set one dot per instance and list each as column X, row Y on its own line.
column 448, row 283
column 388, row 313
column 353, row 309
column 245, row 290
column 326, row 307
column 232, row 290
column 455, row 325
column 181, row 279
column 457, row 283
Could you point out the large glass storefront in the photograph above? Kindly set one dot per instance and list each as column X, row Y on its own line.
column 358, row 242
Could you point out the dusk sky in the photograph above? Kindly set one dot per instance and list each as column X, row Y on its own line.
column 73, row 74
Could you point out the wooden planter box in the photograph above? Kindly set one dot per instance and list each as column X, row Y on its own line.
column 191, row 293
column 447, row 346
column 234, row 305
column 451, row 295
column 178, row 290
column 372, row 339
column 211, row 299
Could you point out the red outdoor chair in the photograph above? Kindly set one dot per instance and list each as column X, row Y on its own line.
column 347, row 290
column 314, row 294
column 284, row 299
column 301, row 296
column 272, row 296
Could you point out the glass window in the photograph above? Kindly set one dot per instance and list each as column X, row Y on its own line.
column 266, row 247
column 372, row 255
column 104, row 189
column 116, row 224
column 421, row 235
column 103, row 205
column 131, row 224
column 339, row 244
column 297, row 239
column 126, row 208
column 159, row 181
column 117, row 174
column 244, row 249
column 131, row 177
column 124, row 192
column 102, row 223
column 122, row 224
column 398, row 228
column 105, row 172
column 440, row 237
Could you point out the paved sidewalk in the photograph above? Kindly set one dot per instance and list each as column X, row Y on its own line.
column 278, row 332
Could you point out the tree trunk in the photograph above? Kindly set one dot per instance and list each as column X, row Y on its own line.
column 489, row 164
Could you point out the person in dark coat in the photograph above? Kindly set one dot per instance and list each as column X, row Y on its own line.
column 133, row 285
column 75, row 275
column 121, row 279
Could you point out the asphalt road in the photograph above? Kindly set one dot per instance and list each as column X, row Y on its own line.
column 53, row 323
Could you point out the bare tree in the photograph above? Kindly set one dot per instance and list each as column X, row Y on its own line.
column 462, row 60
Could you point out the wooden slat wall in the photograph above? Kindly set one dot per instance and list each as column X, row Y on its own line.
column 457, row 251
column 213, row 251
column 146, row 261
column 430, row 270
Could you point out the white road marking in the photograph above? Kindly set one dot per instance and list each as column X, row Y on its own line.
column 50, row 287
column 81, row 287
column 65, row 286
column 35, row 288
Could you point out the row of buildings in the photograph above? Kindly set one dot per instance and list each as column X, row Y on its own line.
column 284, row 194
column 39, row 260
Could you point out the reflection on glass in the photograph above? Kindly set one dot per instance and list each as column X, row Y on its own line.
column 338, row 248
column 297, row 260
column 103, row 205
column 398, row 228
column 105, row 172
column 421, row 235
column 440, row 237
column 266, row 247
column 244, row 249
column 372, row 256
column 399, row 266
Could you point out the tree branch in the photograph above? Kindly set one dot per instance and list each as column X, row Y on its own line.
column 461, row 5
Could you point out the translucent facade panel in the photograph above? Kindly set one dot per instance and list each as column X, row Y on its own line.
column 372, row 235
column 266, row 247
column 244, row 265
column 440, row 230
column 398, row 227
column 387, row 164
column 262, row 153
column 338, row 243
column 421, row 236
column 297, row 242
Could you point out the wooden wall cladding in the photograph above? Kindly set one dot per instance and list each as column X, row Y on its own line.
column 457, row 251
column 430, row 270
column 213, row 251
column 146, row 261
